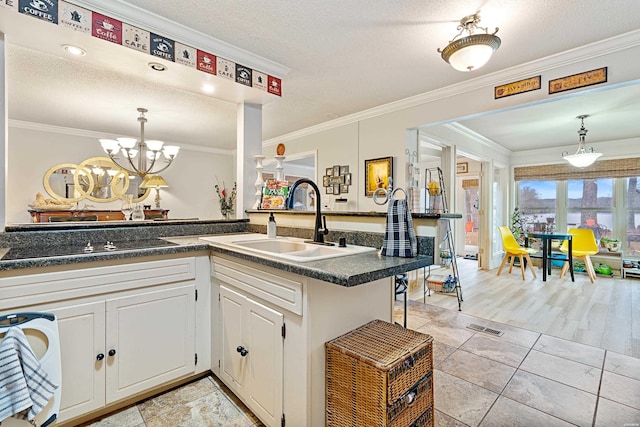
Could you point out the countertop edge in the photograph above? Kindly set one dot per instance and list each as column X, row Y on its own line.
column 377, row 266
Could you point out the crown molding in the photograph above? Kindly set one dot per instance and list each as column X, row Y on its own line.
column 582, row 53
column 40, row 127
column 476, row 137
column 136, row 16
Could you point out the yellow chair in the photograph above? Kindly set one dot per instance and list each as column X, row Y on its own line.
column 584, row 245
column 513, row 249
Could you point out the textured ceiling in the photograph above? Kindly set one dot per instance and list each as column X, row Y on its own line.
column 344, row 56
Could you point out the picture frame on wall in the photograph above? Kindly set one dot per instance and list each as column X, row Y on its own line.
column 336, row 170
column 377, row 174
column 329, row 189
column 347, row 179
column 325, row 180
column 462, row 167
column 329, row 172
column 336, row 189
column 344, row 170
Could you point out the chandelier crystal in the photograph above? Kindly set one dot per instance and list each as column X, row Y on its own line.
column 147, row 152
column 584, row 156
column 472, row 51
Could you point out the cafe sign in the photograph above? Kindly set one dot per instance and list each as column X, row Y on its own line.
column 575, row 81
column 514, row 88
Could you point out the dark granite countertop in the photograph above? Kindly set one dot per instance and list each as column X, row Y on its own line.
column 361, row 214
column 347, row 271
column 44, row 256
column 351, row 270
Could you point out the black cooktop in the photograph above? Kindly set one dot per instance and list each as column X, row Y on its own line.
column 81, row 249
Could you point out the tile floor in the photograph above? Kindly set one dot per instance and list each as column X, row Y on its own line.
column 521, row 378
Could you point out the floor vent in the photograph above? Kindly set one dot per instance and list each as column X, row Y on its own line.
column 484, row 329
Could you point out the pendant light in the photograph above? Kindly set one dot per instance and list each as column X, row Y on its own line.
column 584, row 156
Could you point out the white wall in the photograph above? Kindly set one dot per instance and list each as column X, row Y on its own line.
column 33, row 151
column 381, row 131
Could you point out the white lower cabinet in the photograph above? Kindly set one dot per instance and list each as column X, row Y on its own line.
column 251, row 353
column 281, row 376
column 114, row 345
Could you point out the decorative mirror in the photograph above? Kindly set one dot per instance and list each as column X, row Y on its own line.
column 97, row 179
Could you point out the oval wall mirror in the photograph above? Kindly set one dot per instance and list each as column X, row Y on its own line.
column 97, row 179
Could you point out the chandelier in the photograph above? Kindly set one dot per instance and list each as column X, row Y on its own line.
column 148, row 152
column 472, row 51
column 584, row 156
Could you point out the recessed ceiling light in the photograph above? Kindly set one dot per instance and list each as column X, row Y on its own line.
column 74, row 50
column 208, row 88
column 156, row 66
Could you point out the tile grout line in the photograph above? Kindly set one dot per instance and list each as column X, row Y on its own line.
column 595, row 411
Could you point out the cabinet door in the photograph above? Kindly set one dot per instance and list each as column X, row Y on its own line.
column 82, row 331
column 233, row 367
column 257, row 376
column 265, row 346
column 150, row 340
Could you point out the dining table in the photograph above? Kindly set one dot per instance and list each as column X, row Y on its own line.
column 547, row 254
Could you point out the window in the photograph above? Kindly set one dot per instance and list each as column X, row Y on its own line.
column 590, row 205
column 632, row 215
column 537, row 204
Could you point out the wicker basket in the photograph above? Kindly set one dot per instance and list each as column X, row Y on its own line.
column 379, row 374
column 438, row 286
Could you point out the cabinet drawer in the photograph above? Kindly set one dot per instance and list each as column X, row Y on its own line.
column 47, row 287
column 280, row 291
column 415, row 408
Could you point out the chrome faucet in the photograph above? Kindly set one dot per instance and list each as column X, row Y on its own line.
column 320, row 228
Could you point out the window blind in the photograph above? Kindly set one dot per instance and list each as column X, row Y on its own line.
column 616, row 168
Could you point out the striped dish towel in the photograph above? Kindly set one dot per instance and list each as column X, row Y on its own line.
column 25, row 388
column 399, row 237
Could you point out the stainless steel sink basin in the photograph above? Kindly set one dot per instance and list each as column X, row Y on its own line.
column 285, row 248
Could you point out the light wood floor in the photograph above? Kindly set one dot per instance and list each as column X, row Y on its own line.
column 605, row 314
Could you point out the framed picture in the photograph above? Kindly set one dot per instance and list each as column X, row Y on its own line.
column 347, row 179
column 377, row 174
column 344, row 170
column 344, row 188
column 337, row 179
column 325, row 180
column 462, row 167
column 329, row 189
column 329, row 172
column 336, row 189
column 336, row 170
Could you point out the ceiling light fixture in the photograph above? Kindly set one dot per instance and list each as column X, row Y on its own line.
column 74, row 50
column 156, row 66
column 208, row 88
column 584, row 156
column 472, row 51
column 146, row 150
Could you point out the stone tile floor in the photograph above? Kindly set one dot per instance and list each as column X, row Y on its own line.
column 521, row 378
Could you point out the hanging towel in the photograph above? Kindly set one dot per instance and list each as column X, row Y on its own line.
column 399, row 237
column 25, row 387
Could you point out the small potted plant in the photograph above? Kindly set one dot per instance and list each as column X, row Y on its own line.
column 612, row 245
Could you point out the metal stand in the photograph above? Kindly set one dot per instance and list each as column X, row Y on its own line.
column 437, row 204
column 401, row 287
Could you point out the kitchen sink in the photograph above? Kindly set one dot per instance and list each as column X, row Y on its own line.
column 285, row 248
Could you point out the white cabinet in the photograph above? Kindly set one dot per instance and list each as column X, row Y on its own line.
column 251, row 353
column 283, row 376
column 149, row 340
column 82, row 332
column 116, row 348
column 114, row 345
